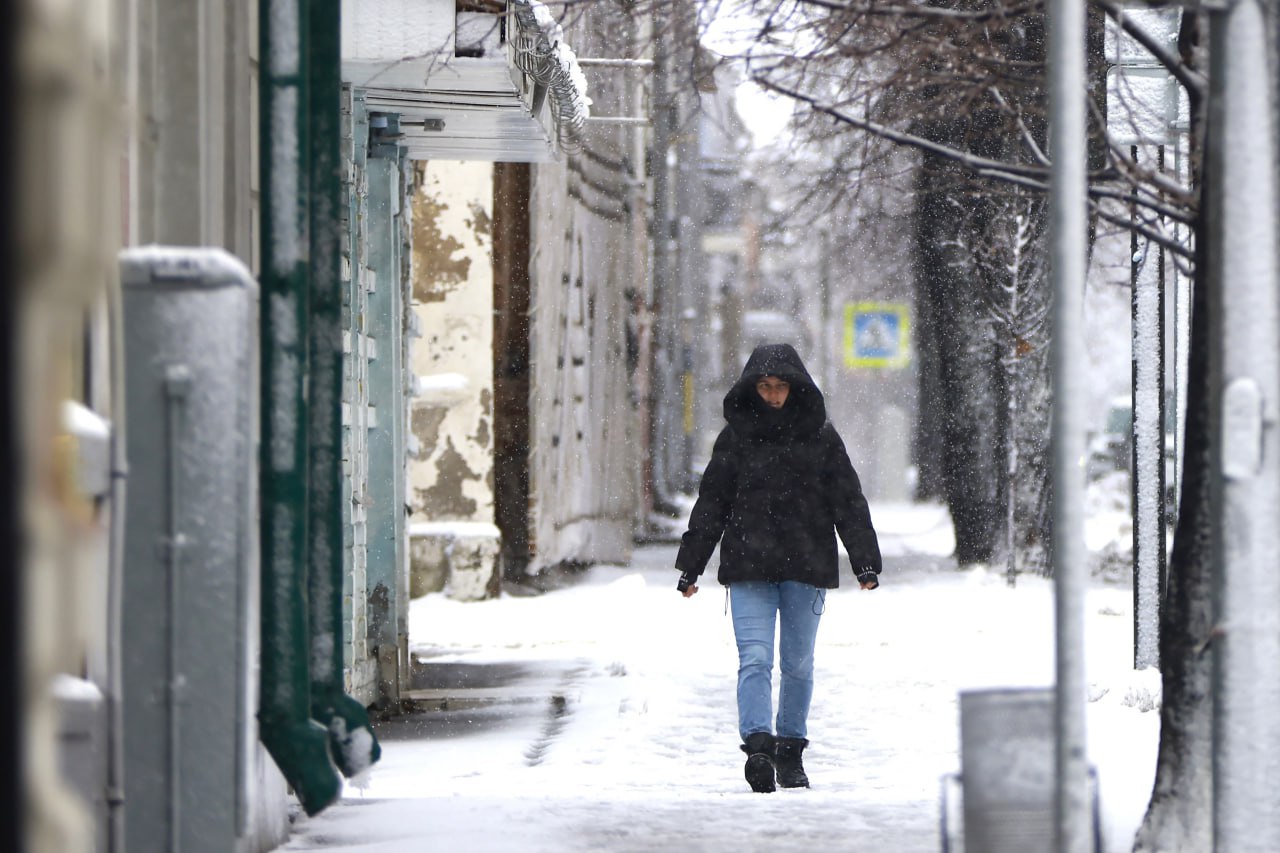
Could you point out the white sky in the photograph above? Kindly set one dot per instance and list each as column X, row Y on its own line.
column 764, row 113
column 732, row 32
column 645, row 756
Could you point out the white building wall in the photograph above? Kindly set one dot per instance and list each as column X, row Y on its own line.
column 584, row 438
column 453, row 540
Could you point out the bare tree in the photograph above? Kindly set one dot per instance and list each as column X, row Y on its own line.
column 1021, row 309
column 963, row 88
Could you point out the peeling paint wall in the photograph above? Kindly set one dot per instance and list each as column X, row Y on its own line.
column 360, row 675
column 451, row 478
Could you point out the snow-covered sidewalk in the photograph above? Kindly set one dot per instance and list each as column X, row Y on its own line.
column 632, row 744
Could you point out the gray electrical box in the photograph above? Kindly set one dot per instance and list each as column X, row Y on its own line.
column 190, row 574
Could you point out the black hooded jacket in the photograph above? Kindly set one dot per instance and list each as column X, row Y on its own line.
column 779, row 487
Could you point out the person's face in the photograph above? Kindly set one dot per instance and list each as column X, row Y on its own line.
column 773, row 391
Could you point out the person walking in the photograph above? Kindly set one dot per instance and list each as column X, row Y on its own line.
column 777, row 490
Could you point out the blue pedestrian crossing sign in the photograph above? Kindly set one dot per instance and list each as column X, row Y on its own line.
column 876, row 334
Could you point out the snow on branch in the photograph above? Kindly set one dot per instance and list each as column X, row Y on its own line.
column 923, row 11
column 983, row 165
column 1031, row 176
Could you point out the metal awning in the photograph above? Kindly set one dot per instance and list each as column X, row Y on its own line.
column 467, row 86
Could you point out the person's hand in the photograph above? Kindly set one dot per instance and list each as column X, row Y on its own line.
column 868, row 579
column 691, row 591
column 688, row 585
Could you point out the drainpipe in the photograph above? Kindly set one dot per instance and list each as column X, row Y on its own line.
column 297, row 743
column 353, row 744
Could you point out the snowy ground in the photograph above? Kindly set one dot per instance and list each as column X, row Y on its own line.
column 639, row 752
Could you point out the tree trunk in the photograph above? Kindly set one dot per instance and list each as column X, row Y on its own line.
column 971, row 247
column 929, row 448
column 948, row 224
column 1180, row 814
column 1018, row 287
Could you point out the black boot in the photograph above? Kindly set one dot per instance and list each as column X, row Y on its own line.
column 759, row 769
column 786, row 758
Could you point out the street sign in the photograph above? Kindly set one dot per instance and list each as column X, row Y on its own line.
column 876, row 334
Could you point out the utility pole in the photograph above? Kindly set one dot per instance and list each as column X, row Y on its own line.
column 1147, row 433
column 689, row 207
column 664, row 392
column 1067, row 252
column 1141, row 85
column 1244, row 317
column 639, row 265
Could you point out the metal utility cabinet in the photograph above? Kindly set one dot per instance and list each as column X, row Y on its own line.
column 190, row 593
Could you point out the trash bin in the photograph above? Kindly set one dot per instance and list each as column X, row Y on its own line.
column 1008, row 774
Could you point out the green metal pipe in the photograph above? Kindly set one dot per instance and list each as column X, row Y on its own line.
column 354, row 746
column 296, row 742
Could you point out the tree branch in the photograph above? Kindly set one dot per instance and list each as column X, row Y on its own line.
column 1031, row 177
column 1155, row 235
column 921, row 11
column 1027, row 136
column 975, row 163
column 1165, row 211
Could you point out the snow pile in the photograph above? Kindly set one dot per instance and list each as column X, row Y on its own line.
column 357, row 751
column 441, row 389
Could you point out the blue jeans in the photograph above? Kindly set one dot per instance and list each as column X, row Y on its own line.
column 755, row 605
